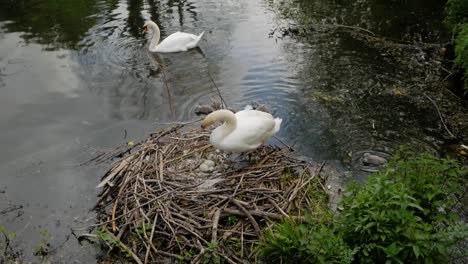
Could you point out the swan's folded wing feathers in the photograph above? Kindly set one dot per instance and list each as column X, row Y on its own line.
column 253, row 113
column 176, row 39
column 252, row 130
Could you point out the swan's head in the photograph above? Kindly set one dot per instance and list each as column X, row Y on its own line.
column 208, row 121
column 149, row 24
column 218, row 115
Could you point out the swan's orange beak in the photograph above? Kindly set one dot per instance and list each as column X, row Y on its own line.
column 145, row 29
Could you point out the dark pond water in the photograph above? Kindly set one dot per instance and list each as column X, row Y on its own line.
column 75, row 77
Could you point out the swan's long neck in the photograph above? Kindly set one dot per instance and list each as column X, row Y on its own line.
column 156, row 35
column 229, row 124
column 229, row 118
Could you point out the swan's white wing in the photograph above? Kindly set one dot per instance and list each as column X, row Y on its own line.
column 250, row 132
column 257, row 126
column 253, row 113
column 176, row 42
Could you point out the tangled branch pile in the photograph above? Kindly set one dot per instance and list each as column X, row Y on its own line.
column 157, row 205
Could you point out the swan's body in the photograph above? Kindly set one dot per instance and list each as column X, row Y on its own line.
column 244, row 131
column 175, row 42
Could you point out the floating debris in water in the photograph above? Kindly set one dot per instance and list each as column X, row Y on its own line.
column 370, row 160
column 203, row 109
column 373, row 160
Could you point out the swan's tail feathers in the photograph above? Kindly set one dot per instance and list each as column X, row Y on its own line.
column 199, row 38
column 277, row 124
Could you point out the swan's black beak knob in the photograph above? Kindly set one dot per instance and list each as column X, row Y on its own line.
column 145, row 29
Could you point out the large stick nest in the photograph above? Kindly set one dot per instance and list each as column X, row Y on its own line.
column 157, row 205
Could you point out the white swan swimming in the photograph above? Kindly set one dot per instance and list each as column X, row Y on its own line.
column 243, row 131
column 175, row 42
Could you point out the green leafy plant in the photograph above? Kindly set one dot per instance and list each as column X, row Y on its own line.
column 144, row 229
column 456, row 12
column 457, row 20
column 461, row 49
column 312, row 241
column 113, row 242
column 211, row 255
column 43, row 247
column 186, row 256
column 107, row 237
column 8, row 253
column 402, row 214
column 232, row 220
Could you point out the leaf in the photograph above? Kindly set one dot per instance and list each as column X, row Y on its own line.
column 130, row 143
column 415, row 206
column 393, row 249
column 416, row 251
column 12, row 235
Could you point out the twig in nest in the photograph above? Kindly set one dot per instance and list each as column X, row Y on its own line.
column 249, row 216
column 199, row 256
column 258, row 213
column 126, row 249
column 114, row 172
column 180, row 123
column 114, row 208
column 214, row 233
column 278, row 207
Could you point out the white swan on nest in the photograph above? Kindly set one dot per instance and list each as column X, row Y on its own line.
column 243, row 131
column 175, row 42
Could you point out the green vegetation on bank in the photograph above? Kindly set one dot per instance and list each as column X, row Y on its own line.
column 461, row 50
column 456, row 12
column 402, row 214
column 457, row 20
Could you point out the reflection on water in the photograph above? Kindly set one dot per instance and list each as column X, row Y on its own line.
column 75, row 76
column 56, row 24
column 415, row 20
